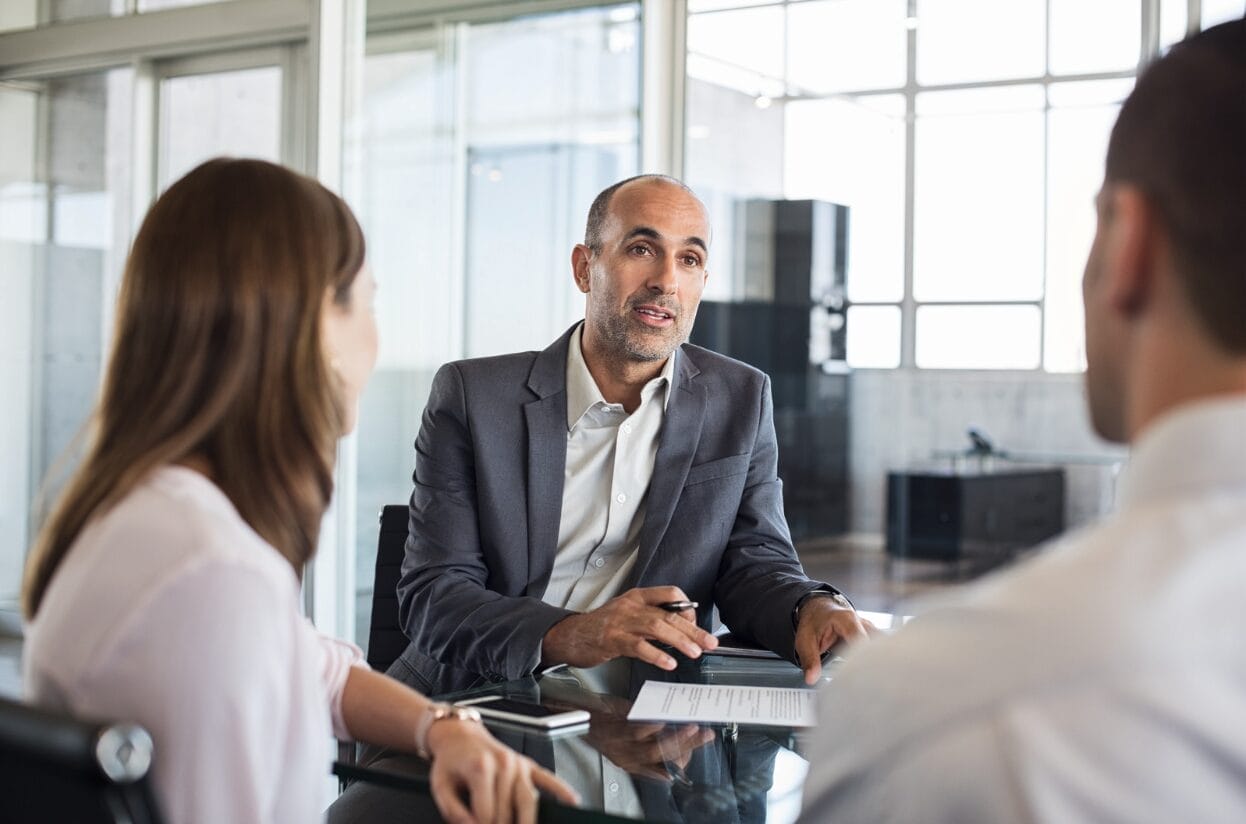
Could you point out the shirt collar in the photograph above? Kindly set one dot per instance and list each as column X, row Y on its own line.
column 1197, row 447
column 582, row 391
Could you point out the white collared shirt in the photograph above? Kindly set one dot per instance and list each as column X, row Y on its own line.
column 603, row 784
column 1104, row 680
column 610, row 457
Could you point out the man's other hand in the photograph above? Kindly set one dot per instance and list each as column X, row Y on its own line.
column 822, row 624
column 627, row 627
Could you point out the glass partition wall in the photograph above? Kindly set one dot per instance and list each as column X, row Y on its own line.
column 90, row 133
column 65, row 195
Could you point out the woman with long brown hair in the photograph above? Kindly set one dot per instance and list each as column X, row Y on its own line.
column 164, row 587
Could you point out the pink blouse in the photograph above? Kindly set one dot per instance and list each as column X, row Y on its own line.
column 171, row 612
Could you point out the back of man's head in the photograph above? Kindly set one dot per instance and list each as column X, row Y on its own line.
column 1181, row 139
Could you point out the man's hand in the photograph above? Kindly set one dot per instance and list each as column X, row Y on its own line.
column 624, row 627
column 654, row 751
column 822, row 623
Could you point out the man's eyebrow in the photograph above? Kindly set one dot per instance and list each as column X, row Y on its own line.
column 644, row 231
column 654, row 234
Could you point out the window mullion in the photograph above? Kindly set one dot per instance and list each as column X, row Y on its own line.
column 908, row 308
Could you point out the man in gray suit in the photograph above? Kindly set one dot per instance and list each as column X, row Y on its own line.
column 565, row 499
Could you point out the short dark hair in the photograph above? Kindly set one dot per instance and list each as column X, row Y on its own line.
column 1181, row 139
column 601, row 206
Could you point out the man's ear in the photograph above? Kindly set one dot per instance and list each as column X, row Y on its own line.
column 580, row 257
column 1132, row 249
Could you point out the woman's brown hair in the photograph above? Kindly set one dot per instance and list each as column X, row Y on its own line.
column 217, row 356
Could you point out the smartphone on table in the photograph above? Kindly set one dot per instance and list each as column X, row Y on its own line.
column 524, row 712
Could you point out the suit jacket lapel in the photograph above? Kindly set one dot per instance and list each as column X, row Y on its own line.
column 681, row 430
column 547, row 459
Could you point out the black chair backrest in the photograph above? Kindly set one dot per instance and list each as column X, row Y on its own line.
column 57, row 768
column 386, row 640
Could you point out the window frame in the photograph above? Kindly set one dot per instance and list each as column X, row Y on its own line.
column 1149, row 47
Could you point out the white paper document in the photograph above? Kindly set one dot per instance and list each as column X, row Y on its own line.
column 719, row 704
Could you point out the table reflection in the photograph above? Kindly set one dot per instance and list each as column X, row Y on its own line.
column 623, row 770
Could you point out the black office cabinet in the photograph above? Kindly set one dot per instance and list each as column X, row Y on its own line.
column 982, row 518
column 791, row 326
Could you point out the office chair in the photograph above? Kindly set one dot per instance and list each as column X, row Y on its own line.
column 386, row 640
column 57, row 768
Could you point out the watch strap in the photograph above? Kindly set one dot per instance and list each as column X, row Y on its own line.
column 439, row 712
column 829, row 592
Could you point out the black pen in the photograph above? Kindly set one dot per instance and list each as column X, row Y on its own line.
column 678, row 606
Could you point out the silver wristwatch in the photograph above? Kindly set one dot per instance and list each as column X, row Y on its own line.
column 836, row 597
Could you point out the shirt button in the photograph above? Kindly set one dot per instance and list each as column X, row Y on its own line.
column 627, row 429
column 599, row 563
column 621, row 498
column 614, row 786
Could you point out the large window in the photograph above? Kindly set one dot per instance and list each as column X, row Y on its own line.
column 66, row 207
column 82, row 154
column 966, row 136
column 208, row 109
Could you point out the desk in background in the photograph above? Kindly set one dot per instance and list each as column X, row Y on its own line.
column 979, row 518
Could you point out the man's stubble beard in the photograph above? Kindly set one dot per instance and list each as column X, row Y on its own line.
column 627, row 343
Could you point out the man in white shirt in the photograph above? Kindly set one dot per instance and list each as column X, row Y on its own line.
column 1105, row 680
column 562, row 497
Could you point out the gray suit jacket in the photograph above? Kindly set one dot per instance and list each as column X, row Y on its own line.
column 485, row 513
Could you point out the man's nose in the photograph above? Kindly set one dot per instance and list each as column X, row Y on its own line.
column 664, row 278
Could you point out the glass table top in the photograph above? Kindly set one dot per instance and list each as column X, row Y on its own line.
column 623, row 770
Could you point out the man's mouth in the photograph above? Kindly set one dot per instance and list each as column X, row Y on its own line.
column 654, row 315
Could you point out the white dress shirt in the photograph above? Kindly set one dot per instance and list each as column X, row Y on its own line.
column 1102, row 681
column 170, row 611
column 610, row 458
column 600, row 782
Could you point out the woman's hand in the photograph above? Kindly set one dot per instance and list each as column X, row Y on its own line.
column 475, row 778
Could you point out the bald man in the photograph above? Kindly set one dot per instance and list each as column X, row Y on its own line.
column 568, row 501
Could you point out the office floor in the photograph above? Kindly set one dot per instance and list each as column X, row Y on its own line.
column 863, row 572
column 860, row 570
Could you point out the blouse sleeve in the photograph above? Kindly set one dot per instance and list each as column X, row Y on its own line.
column 337, row 657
